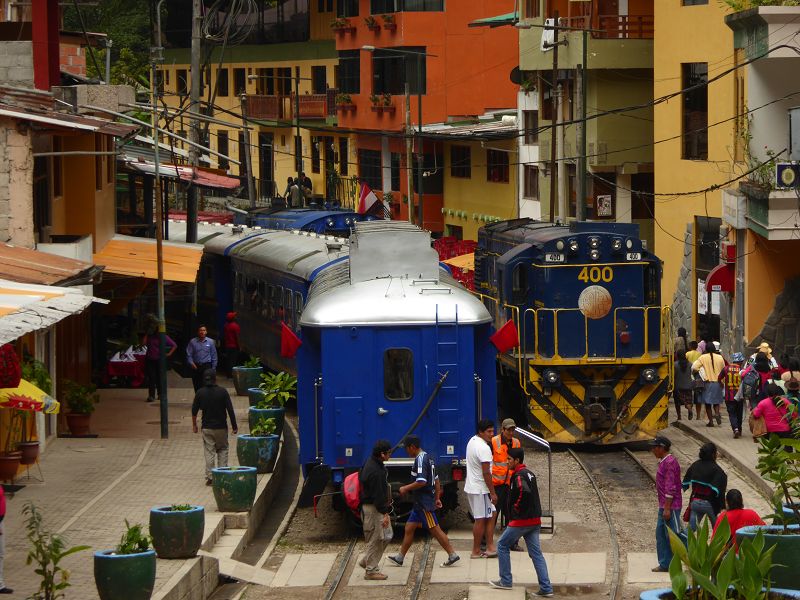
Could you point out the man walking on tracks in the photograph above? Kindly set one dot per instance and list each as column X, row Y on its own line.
column 375, row 507
column 501, row 444
column 524, row 511
column 668, row 487
column 480, row 489
column 215, row 402
column 427, row 492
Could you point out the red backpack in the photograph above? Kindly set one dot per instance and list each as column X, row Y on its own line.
column 351, row 488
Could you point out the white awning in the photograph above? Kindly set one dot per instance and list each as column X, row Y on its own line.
column 25, row 308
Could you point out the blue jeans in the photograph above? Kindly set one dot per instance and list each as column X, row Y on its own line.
column 700, row 509
column 531, row 535
column 663, row 549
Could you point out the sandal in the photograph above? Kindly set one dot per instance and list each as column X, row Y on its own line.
column 481, row 555
column 491, row 554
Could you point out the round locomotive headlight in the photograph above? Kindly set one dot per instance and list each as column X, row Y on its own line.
column 560, row 245
column 573, row 245
column 330, row 222
column 551, row 376
column 594, row 242
column 348, row 221
column 629, row 244
column 648, row 375
column 594, row 254
column 616, row 244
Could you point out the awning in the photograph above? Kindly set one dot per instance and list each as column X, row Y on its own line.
column 496, row 21
column 188, row 174
column 136, row 257
column 25, row 308
column 27, row 396
column 465, row 261
column 24, row 265
column 721, row 279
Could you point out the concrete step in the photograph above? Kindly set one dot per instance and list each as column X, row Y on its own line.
column 485, row 592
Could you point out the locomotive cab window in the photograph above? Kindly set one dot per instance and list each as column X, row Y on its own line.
column 519, row 284
column 398, row 374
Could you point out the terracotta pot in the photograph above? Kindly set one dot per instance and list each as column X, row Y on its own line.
column 9, row 465
column 78, row 424
column 30, row 452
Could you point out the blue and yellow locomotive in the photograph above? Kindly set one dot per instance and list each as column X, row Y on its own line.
column 594, row 361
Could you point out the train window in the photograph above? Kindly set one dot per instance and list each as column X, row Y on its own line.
column 287, row 303
column 652, row 277
column 279, row 302
column 298, row 305
column 519, row 284
column 263, row 305
column 398, row 374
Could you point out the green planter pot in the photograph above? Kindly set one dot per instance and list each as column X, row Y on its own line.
column 788, row 513
column 787, row 553
column 258, row 451
column 177, row 533
column 234, row 488
column 278, row 413
column 125, row 576
column 666, row 593
column 254, row 395
column 245, row 378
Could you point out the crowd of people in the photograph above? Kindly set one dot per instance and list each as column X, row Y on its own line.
column 298, row 191
column 763, row 386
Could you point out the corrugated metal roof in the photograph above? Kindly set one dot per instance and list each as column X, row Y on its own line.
column 24, row 265
column 188, row 174
column 136, row 257
column 25, row 308
column 501, row 124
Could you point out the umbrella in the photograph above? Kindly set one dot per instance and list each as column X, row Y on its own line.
column 28, row 397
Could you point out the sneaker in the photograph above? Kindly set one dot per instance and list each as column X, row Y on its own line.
column 208, row 481
column 376, row 577
column 451, row 560
column 737, row 434
column 719, row 419
column 659, row 569
column 395, row 559
column 362, row 563
column 542, row 594
column 691, row 416
column 6, row 590
column 498, row 585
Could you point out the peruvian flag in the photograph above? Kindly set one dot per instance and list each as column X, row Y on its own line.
column 289, row 342
column 505, row 338
column 367, row 199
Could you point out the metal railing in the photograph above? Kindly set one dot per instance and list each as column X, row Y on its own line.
column 615, row 26
column 282, row 106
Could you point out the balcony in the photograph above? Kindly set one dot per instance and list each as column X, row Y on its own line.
column 627, row 27
column 771, row 214
column 282, row 107
column 763, row 27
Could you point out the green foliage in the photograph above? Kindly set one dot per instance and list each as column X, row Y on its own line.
column 80, row 398
column 252, row 362
column 35, row 372
column 47, row 550
column 340, row 23
column 388, row 19
column 714, row 567
column 737, row 5
column 134, row 540
column 375, row 99
column 371, row 21
column 781, row 467
column 181, row 507
column 263, row 427
column 344, row 99
column 387, row 99
column 278, row 388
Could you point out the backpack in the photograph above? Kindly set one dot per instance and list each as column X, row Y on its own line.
column 751, row 386
column 352, row 492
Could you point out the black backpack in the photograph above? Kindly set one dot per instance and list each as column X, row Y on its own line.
column 751, row 386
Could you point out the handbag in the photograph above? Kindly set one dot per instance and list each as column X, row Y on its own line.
column 687, row 514
column 758, row 426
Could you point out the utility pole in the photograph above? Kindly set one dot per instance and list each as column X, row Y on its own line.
column 194, row 122
column 580, row 201
column 409, row 160
column 251, row 184
column 563, row 213
column 298, row 145
column 110, row 43
column 554, row 119
column 420, row 149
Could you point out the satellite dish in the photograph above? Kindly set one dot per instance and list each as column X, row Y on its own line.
column 516, row 76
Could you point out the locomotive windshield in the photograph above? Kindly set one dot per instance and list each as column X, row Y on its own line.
column 398, row 374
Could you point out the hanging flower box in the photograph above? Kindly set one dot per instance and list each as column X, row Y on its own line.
column 383, row 109
column 372, row 23
column 342, row 26
column 390, row 26
column 389, row 22
column 346, row 107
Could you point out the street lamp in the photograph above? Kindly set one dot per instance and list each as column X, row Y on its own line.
column 420, row 154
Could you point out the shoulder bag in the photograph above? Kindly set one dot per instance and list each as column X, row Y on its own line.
column 758, row 427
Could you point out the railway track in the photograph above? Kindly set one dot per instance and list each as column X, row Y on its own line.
column 616, row 481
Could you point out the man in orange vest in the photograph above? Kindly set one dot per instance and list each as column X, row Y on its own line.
column 501, row 474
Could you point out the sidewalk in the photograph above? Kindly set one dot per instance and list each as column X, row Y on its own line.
column 93, row 485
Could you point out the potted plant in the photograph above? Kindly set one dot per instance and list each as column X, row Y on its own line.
column 260, row 448
column 372, row 23
column 234, row 488
column 389, row 22
column 706, row 568
column 779, row 463
column 341, row 25
column 128, row 572
column 47, row 550
column 80, row 400
column 271, row 397
column 247, row 375
column 177, row 530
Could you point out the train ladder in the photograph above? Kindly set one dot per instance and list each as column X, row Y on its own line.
column 448, row 358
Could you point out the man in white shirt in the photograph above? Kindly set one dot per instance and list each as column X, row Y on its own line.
column 480, row 489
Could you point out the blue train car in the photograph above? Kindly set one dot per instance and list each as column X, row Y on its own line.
column 594, row 362
column 392, row 345
column 317, row 220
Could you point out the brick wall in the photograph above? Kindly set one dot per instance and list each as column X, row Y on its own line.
column 72, row 59
column 16, row 64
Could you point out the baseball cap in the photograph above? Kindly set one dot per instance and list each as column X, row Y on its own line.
column 662, row 441
column 793, row 384
column 508, row 423
column 737, row 357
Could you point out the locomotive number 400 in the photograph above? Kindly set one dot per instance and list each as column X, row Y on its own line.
column 596, row 274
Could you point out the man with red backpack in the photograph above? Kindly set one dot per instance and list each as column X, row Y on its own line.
column 376, row 504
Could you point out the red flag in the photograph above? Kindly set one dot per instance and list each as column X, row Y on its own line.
column 505, row 338
column 289, row 342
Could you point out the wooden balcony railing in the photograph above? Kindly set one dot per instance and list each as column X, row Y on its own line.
column 615, row 26
column 282, row 107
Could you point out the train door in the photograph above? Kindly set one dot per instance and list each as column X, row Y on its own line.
column 515, row 288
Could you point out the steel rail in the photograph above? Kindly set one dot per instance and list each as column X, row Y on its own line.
column 639, row 462
column 348, row 554
column 423, row 565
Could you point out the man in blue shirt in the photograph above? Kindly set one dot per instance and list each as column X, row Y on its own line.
column 426, row 492
column 201, row 354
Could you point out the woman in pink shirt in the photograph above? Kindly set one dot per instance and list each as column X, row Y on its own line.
column 773, row 411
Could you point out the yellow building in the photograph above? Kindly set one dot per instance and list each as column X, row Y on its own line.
column 696, row 147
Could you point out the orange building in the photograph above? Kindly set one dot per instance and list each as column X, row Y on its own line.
column 457, row 72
